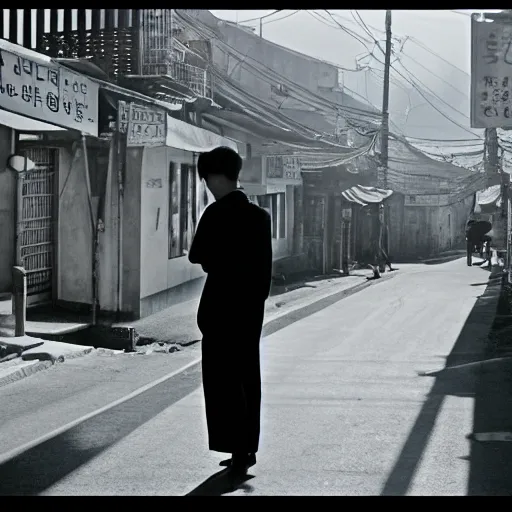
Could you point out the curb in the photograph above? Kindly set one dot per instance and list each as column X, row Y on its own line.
column 26, row 371
column 37, row 366
column 295, row 314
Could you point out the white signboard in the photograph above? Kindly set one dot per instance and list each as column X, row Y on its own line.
column 48, row 92
column 284, row 168
column 491, row 71
column 144, row 126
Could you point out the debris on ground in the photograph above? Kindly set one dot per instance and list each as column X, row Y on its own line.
column 149, row 347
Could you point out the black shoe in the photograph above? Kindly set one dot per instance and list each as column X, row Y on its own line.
column 239, row 461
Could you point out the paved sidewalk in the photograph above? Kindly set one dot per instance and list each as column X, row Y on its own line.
column 177, row 324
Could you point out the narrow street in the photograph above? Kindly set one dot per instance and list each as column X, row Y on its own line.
column 344, row 409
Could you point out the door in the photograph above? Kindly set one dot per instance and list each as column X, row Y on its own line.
column 35, row 240
column 314, row 229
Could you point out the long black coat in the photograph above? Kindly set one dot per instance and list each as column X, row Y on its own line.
column 233, row 243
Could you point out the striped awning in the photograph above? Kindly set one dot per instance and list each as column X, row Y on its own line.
column 491, row 195
column 366, row 195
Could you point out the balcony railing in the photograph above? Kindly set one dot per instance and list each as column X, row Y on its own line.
column 113, row 50
column 196, row 79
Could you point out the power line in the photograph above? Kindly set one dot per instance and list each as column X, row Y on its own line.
column 277, row 77
column 261, row 17
column 365, row 27
column 351, row 21
column 350, row 32
column 426, row 48
column 283, row 18
column 436, row 75
column 272, row 21
column 439, row 111
column 411, row 82
column 434, row 94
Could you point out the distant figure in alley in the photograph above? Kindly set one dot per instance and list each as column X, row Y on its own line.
column 233, row 244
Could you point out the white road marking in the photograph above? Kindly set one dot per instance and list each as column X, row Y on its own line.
column 54, row 433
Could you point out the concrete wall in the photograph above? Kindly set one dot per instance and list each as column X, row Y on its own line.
column 163, row 281
column 7, row 212
column 108, row 240
column 131, row 232
column 298, row 68
column 427, row 231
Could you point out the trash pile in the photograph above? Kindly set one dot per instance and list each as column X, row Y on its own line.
column 147, row 346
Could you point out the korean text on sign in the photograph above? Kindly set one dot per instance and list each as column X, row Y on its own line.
column 49, row 93
column 491, row 74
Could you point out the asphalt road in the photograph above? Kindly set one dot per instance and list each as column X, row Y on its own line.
column 345, row 412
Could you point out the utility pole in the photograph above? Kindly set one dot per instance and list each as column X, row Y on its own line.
column 385, row 104
column 261, row 27
column 383, row 168
column 494, row 169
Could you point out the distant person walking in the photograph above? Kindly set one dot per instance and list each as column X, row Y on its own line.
column 476, row 235
column 233, row 244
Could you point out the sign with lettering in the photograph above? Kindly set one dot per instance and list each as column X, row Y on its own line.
column 428, row 200
column 48, row 92
column 491, row 70
column 286, row 168
column 144, row 126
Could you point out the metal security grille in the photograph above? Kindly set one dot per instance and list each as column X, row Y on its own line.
column 36, row 214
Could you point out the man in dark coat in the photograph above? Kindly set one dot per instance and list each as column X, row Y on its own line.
column 233, row 244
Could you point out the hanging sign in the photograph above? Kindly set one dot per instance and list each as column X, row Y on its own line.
column 491, row 70
column 144, row 126
column 284, row 169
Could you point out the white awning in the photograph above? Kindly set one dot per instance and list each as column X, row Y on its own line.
column 366, row 195
column 188, row 137
column 26, row 124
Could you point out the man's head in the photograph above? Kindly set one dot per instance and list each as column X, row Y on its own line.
column 220, row 169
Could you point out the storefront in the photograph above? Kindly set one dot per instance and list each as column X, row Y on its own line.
column 38, row 98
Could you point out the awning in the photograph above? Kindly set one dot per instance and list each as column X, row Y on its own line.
column 366, row 195
column 188, row 137
column 26, row 124
column 491, row 195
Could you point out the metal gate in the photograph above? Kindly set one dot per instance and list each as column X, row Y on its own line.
column 35, row 241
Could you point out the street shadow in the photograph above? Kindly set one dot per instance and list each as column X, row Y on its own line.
column 39, row 468
column 491, row 461
column 222, row 482
column 471, row 346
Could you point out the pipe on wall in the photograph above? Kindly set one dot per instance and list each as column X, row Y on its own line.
column 94, row 231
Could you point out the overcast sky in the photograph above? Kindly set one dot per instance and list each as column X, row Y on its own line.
column 443, row 32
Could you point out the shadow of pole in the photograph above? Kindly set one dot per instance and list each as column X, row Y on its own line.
column 468, row 348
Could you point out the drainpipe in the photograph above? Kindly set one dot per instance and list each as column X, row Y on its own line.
column 94, row 231
column 120, row 204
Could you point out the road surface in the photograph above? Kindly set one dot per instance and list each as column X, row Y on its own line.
column 344, row 410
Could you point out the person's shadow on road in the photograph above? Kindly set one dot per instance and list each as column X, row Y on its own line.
column 222, row 482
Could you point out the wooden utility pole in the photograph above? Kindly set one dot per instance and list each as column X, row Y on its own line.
column 494, row 169
column 385, row 104
column 383, row 214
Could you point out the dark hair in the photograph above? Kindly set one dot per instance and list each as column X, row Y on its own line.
column 221, row 160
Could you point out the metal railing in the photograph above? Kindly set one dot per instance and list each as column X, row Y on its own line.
column 194, row 78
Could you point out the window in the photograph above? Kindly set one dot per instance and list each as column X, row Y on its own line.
column 275, row 204
column 183, row 212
